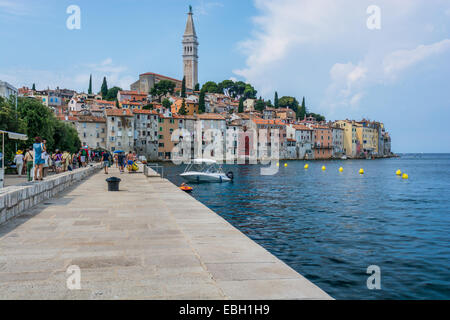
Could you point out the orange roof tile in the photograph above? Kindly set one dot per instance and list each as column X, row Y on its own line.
column 119, row 112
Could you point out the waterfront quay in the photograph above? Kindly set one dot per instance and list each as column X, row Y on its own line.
column 148, row 241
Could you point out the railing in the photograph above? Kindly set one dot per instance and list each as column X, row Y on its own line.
column 155, row 167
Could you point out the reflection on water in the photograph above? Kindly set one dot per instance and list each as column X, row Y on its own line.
column 331, row 226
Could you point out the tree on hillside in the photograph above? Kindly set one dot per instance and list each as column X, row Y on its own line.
column 201, row 102
column 288, row 102
column 259, row 104
column 112, row 93
column 33, row 87
column 10, row 121
column 302, row 110
column 183, row 88
column 227, row 87
column 162, row 88
column 197, row 87
column 104, row 89
column 90, row 85
column 269, row 103
column 250, row 92
column 241, row 105
column 182, row 110
column 316, row 116
column 275, row 101
column 210, row 87
column 117, row 104
column 166, row 103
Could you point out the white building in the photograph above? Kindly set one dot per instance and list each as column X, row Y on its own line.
column 120, row 130
column 7, row 90
column 303, row 137
column 338, row 142
column 146, row 133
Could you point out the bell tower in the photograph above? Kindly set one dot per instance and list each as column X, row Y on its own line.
column 190, row 52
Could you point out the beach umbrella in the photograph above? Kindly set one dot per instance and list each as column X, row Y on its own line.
column 119, row 151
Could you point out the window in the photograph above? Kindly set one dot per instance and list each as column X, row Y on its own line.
column 160, row 129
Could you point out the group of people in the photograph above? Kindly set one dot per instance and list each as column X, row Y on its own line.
column 37, row 161
column 39, row 158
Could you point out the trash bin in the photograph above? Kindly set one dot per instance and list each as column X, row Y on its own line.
column 113, row 183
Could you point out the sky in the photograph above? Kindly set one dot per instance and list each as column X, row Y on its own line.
column 325, row 50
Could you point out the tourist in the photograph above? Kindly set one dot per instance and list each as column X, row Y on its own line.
column 75, row 160
column 105, row 160
column 83, row 157
column 121, row 160
column 38, row 148
column 116, row 160
column 130, row 161
column 58, row 161
column 18, row 160
column 66, row 159
column 28, row 159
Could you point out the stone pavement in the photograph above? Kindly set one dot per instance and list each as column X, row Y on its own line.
column 148, row 241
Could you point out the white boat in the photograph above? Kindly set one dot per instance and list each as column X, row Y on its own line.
column 344, row 157
column 205, row 170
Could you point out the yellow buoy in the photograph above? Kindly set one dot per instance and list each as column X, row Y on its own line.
column 278, row 164
column 285, row 164
column 398, row 172
column 324, row 168
column 361, row 171
column 341, row 169
column 306, row 166
column 405, row 176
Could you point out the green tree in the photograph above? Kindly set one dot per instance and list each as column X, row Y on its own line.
column 316, row 116
column 210, row 87
column 162, row 88
column 112, row 93
column 227, row 87
column 117, row 104
column 260, row 105
column 104, row 89
column 288, row 102
column 182, row 110
column 166, row 103
column 250, row 92
column 275, row 101
column 269, row 103
column 197, row 87
column 183, row 88
column 241, row 105
column 10, row 121
column 201, row 102
column 90, row 85
column 302, row 110
column 33, row 87
column 66, row 137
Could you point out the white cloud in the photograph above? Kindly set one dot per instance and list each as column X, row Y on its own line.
column 288, row 34
column 14, row 7
column 204, row 8
column 400, row 60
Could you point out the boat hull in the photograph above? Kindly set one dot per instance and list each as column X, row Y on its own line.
column 200, row 177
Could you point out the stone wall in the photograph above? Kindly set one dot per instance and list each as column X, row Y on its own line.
column 15, row 199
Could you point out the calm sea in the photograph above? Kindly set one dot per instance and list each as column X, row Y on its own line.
column 330, row 226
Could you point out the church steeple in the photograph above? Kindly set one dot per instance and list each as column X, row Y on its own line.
column 190, row 52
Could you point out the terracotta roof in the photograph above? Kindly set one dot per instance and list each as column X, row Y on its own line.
column 104, row 102
column 301, row 127
column 159, row 75
column 266, row 121
column 132, row 93
column 90, row 119
column 210, row 116
column 119, row 112
column 145, row 111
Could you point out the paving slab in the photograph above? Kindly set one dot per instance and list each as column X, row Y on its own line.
column 150, row 240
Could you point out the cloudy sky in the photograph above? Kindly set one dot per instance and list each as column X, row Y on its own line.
column 320, row 49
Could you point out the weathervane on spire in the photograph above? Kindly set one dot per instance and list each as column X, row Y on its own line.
column 190, row 9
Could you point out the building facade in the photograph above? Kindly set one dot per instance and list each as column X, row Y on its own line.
column 7, row 90
column 120, row 130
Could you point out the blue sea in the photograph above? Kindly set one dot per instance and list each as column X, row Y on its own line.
column 331, row 226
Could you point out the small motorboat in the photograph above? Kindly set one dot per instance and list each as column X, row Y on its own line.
column 206, row 170
column 186, row 188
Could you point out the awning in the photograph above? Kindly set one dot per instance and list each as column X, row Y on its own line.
column 14, row 135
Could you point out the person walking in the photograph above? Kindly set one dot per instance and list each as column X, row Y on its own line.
column 38, row 148
column 65, row 160
column 121, row 160
column 105, row 159
column 58, row 161
column 28, row 159
column 18, row 160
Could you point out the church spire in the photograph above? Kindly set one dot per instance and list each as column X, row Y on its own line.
column 190, row 29
column 190, row 52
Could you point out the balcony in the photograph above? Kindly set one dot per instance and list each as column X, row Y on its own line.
column 322, row 146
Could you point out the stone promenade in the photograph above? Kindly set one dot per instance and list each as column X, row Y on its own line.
column 148, row 241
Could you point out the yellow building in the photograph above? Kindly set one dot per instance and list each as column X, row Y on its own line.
column 166, row 126
column 190, row 106
column 367, row 137
column 350, row 137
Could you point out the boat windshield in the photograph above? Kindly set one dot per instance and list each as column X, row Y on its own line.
column 204, row 167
